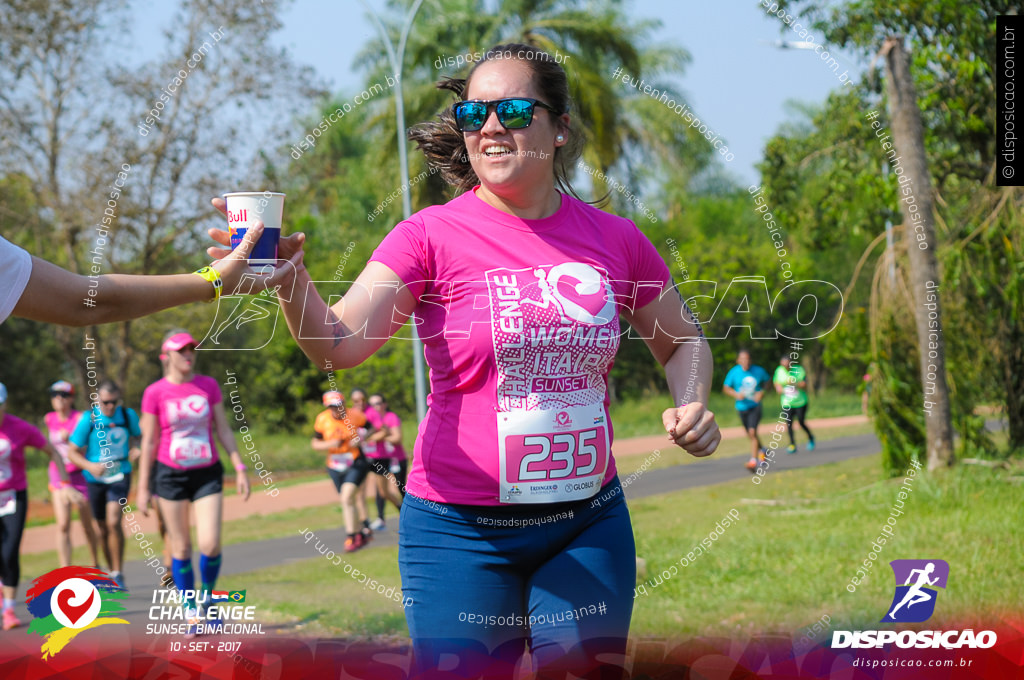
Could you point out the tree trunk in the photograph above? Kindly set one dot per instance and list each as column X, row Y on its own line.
column 1013, row 380
column 908, row 138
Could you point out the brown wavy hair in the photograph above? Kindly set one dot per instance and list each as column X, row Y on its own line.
column 444, row 146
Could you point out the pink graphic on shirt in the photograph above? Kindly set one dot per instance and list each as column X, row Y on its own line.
column 59, row 431
column 6, row 467
column 15, row 435
column 556, row 331
column 185, row 415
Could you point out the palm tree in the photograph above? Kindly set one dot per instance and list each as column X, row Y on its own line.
column 622, row 125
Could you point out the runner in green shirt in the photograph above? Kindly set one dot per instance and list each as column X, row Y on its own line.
column 790, row 381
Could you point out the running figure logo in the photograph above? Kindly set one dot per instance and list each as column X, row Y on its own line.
column 914, row 600
column 588, row 300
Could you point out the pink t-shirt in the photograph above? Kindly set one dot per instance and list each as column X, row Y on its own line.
column 58, row 431
column 185, row 415
column 384, row 449
column 15, row 435
column 519, row 321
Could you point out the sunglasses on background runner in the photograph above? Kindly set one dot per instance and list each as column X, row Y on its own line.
column 112, row 402
column 514, row 113
column 375, row 404
column 66, row 395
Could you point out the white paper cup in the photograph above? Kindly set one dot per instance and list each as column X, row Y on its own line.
column 244, row 208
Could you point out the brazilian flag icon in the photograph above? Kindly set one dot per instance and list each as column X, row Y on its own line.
column 236, row 595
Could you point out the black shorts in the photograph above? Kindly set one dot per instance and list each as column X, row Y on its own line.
column 390, row 468
column 187, row 485
column 357, row 472
column 101, row 494
column 338, row 477
column 751, row 417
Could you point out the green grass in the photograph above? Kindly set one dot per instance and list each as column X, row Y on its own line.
column 784, row 566
column 780, row 568
column 256, row 528
column 339, row 605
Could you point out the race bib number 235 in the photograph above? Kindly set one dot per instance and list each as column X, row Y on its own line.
column 553, row 455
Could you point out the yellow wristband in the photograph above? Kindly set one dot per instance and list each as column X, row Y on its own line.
column 213, row 276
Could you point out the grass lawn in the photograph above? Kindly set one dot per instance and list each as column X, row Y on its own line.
column 779, row 568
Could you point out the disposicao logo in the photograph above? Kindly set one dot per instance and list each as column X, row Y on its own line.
column 69, row 600
column 914, row 602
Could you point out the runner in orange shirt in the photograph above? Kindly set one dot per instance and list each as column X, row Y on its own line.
column 335, row 431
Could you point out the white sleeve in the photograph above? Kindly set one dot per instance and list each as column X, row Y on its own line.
column 15, row 268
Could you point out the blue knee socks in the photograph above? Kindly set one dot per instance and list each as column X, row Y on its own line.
column 209, row 568
column 181, row 571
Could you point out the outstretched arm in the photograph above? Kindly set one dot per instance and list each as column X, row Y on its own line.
column 55, row 295
column 346, row 333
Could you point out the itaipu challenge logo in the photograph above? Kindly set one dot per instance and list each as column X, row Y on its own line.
column 914, row 601
column 70, row 600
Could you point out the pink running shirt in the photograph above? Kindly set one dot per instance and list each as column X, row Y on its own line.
column 519, row 321
column 15, row 435
column 383, row 449
column 58, row 432
column 185, row 415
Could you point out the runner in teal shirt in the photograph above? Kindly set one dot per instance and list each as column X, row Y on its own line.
column 790, row 381
column 745, row 382
column 109, row 435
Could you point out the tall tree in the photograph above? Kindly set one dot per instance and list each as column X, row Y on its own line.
column 590, row 39
column 952, row 65
column 122, row 160
column 908, row 138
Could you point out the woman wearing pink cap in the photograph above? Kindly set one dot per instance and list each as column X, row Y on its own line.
column 15, row 435
column 181, row 414
column 60, row 423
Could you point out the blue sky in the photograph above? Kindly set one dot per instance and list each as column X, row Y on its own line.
column 737, row 82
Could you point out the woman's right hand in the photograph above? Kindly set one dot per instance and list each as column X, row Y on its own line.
column 142, row 500
column 289, row 248
column 96, row 469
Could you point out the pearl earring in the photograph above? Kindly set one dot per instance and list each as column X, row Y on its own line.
column 560, row 138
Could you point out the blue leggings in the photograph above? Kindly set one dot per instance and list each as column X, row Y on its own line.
column 485, row 581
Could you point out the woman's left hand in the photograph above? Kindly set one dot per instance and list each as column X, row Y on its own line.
column 242, row 484
column 73, row 496
column 692, row 427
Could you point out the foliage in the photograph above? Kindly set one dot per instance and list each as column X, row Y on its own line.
column 979, row 235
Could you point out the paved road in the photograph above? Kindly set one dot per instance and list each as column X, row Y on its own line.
column 244, row 557
column 321, row 492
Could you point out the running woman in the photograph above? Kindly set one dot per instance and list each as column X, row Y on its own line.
column 109, row 437
column 745, row 383
column 790, row 380
column 387, row 457
column 60, row 423
column 358, row 401
column 15, row 435
column 336, row 431
column 181, row 415
column 517, row 425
